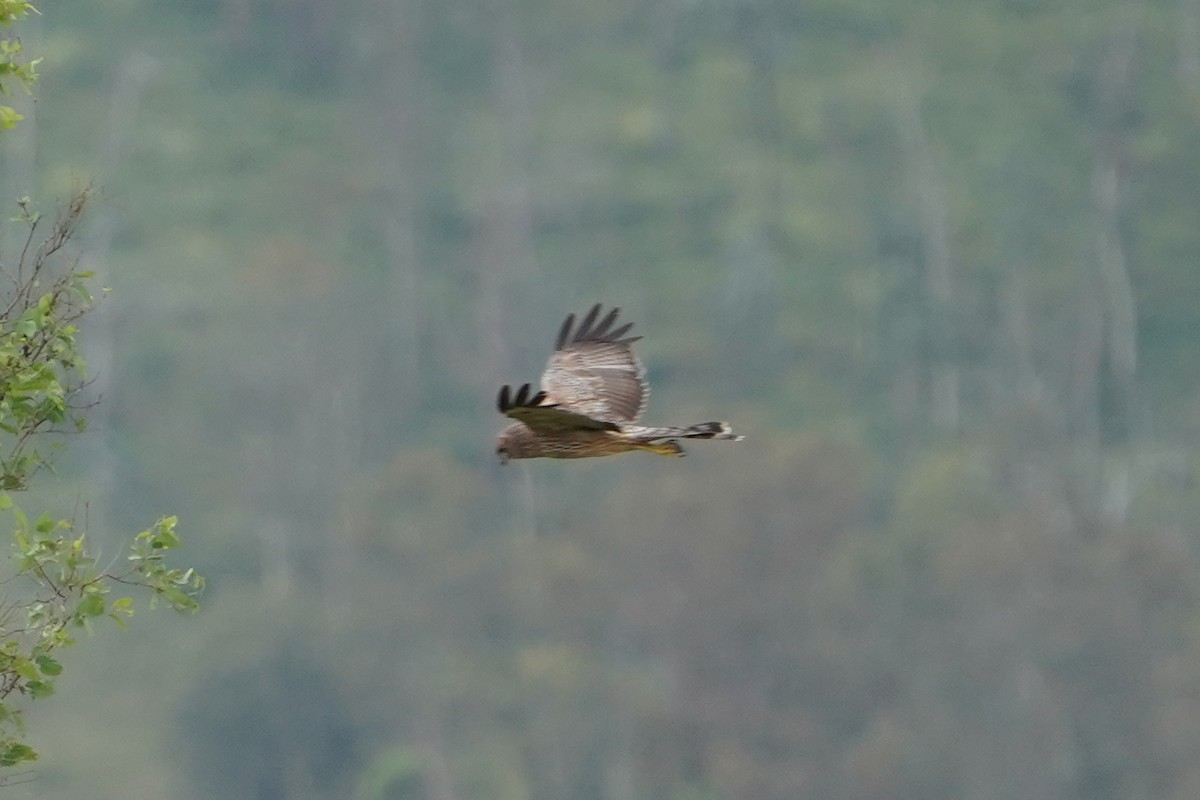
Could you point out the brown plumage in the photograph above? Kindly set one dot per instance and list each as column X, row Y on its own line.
column 593, row 391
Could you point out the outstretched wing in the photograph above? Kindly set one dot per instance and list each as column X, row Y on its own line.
column 594, row 372
column 543, row 417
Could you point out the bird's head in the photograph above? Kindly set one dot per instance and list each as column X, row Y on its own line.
column 511, row 442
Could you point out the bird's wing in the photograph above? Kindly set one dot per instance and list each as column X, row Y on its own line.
column 543, row 417
column 594, row 371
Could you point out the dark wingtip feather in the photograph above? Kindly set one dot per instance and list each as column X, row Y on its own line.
column 586, row 331
column 621, row 331
column 601, row 330
column 507, row 400
column 589, row 330
column 564, row 333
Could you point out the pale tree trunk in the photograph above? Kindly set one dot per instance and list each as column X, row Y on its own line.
column 1022, row 407
column 1019, row 376
column 1083, row 378
column 939, row 279
column 503, row 254
column 1115, row 288
column 751, row 264
column 403, row 119
column 1116, row 292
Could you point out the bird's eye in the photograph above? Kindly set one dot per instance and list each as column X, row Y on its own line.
column 502, row 454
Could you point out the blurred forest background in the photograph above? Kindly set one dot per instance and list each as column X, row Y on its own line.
column 937, row 260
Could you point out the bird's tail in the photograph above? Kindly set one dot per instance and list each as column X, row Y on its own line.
column 708, row 430
column 662, row 440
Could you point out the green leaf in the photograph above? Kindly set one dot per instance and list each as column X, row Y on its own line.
column 15, row 753
column 39, row 689
column 165, row 537
column 9, row 117
column 48, row 665
column 92, row 605
column 120, row 608
column 25, row 668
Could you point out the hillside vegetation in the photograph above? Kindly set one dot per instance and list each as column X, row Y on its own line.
column 938, row 261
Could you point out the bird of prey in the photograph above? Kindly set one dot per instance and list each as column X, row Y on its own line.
column 593, row 392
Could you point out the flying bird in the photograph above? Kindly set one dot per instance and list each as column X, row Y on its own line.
column 593, row 392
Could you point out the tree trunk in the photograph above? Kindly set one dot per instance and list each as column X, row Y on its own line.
column 504, row 254
column 402, row 110
column 1114, row 93
column 939, row 280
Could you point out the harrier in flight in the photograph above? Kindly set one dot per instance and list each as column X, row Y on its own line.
column 593, row 391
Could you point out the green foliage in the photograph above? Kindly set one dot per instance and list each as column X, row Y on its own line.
column 56, row 586
column 13, row 66
column 65, row 591
column 41, row 369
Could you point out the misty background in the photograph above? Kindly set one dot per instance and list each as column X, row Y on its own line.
column 937, row 260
